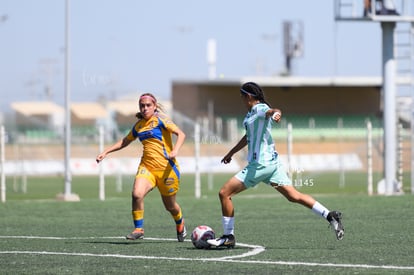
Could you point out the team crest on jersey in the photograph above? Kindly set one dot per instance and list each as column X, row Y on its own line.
column 151, row 124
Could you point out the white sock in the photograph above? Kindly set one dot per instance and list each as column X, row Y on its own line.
column 228, row 225
column 319, row 209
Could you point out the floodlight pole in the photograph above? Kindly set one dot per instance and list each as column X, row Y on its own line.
column 390, row 116
column 68, row 175
column 67, row 195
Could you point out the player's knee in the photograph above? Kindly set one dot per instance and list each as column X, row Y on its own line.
column 174, row 209
column 169, row 209
column 137, row 196
column 223, row 194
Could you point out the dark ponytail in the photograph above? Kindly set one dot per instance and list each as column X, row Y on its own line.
column 255, row 91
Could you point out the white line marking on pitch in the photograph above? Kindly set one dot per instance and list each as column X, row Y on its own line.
column 255, row 250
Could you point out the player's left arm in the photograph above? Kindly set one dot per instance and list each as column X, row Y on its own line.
column 178, row 143
column 173, row 128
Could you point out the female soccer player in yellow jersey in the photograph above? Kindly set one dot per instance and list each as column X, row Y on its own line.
column 158, row 166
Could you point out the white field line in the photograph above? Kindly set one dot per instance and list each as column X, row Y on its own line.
column 255, row 250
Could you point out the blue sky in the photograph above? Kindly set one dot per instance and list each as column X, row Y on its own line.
column 130, row 46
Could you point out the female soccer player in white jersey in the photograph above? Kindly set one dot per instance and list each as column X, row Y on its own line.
column 263, row 166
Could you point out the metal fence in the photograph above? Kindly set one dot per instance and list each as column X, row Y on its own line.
column 308, row 144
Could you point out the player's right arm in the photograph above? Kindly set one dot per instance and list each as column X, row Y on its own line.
column 117, row 146
column 275, row 114
column 240, row 145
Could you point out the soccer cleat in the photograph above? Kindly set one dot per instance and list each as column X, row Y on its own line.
column 181, row 232
column 228, row 241
column 334, row 218
column 138, row 233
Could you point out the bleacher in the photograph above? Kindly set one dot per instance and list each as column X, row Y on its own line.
column 303, row 126
column 325, row 126
column 332, row 121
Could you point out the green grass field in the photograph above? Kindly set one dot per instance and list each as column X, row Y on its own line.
column 40, row 235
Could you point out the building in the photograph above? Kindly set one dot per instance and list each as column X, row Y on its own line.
column 294, row 95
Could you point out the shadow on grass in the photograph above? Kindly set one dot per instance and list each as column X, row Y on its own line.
column 139, row 242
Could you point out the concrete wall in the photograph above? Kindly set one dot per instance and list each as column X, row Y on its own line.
column 192, row 99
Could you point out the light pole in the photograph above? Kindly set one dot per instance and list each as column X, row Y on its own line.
column 67, row 195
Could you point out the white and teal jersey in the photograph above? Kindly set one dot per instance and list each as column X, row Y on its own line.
column 261, row 148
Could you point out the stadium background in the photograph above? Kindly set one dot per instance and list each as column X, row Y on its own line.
column 328, row 117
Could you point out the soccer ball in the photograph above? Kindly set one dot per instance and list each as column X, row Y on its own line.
column 200, row 235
